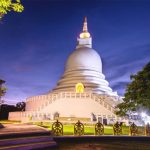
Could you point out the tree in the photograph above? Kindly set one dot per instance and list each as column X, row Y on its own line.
column 137, row 94
column 21, row 106
column 10, row 5
column 2, row 89
column 5, row 109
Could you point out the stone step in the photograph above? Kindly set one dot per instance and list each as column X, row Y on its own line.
column 25, row 140
column 30, row 146
column 11, row 134
column 25, row 137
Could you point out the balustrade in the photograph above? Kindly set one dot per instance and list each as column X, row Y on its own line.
column 78, row 129
column 99, row 129
column 133, row 129
column 117, row 128
column 57, row 128
column 147, row 129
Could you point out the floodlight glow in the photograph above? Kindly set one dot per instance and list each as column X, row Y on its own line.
column 145, row 118
column 143, row 115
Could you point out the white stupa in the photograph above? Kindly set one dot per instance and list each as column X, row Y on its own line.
column 81, row 93
column 84, row 65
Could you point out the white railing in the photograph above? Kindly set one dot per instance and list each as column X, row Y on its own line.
column 98, row 98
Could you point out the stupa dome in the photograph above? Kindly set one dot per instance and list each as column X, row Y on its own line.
column 84, row 66
column 82, row 93
column 84, row 57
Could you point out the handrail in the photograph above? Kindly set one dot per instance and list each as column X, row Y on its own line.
column 97, row 98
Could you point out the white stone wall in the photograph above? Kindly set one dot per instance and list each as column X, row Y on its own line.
column 79, row 106
column 16, row 116
column 67, row 104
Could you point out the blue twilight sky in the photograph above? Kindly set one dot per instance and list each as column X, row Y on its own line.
column 35, row 44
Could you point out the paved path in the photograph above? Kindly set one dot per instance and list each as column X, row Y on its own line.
column 19, row 128
column 25, row 137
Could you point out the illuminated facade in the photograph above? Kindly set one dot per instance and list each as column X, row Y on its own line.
column 81, row 93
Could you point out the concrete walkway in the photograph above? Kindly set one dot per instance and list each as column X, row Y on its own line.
column 17, row 128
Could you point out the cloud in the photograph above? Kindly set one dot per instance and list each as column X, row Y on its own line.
column 118, row 74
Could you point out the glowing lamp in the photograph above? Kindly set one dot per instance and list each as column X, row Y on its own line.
column 84, row 35
column 79, row 88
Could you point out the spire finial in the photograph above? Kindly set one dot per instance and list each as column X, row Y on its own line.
column 84, row 39
column 85, row 33
column 85, row 28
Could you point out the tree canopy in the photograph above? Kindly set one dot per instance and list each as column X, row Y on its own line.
column 21, row 106
column 10, row 5
column 2, row 89
column 137, row 94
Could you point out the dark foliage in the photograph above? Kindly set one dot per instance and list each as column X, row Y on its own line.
column 21, row 106
column 5, row 109
column 137, row 94
column 2, row 89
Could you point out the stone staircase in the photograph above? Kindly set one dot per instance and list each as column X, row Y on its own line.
column 34, row 138
column 43, row 101
column 99, row 99
column 27, row 143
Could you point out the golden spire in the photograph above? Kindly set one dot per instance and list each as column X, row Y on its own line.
column 85, row 28
column 85, row 33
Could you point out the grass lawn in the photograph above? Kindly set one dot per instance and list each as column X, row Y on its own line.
column 9, row 122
